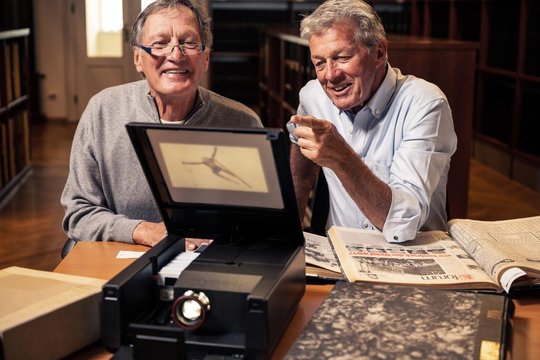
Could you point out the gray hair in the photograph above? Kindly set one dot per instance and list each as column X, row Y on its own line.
column 369, row 27
column 200, row 13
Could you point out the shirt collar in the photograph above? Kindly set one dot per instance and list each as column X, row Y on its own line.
column 350, row 114
column 382, row 97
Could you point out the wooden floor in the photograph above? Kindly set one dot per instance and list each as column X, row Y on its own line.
column 30, row 221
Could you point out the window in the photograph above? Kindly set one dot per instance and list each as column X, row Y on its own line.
column 104, row 23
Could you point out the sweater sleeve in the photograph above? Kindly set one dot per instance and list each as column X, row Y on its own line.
column 87, row 213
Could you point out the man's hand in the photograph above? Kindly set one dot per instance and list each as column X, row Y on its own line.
column 193, row 244
column 320, row 142
column 149, row 233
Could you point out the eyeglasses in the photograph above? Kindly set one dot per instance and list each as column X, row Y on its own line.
column 187, row 48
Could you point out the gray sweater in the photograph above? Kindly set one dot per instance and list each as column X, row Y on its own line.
column 106, row 194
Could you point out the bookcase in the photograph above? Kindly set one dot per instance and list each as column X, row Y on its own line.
column 441, row 19
column 506, row 121
column 236, row 28
column 14, row 113
column 286, row 66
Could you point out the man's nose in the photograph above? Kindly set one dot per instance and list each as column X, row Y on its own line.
column 332, row 70
column 180, row 53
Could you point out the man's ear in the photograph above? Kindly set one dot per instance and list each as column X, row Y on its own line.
column 137, row 59
column 206, row 59
column 382, row 48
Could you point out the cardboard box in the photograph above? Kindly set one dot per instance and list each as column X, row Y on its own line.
column 46, row 315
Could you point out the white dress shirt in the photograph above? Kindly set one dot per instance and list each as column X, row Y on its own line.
column 405, row 135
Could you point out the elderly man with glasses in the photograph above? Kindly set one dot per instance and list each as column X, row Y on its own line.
column 106, row 196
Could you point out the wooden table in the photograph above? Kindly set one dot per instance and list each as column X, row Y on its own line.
column 98, row 259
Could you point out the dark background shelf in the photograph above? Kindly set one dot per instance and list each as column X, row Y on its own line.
column 14, row 109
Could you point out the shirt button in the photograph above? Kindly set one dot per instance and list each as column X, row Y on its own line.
column 377, row 111
column 396, row 237
column 365, row 226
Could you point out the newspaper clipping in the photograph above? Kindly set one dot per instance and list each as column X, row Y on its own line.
column 321, row 260
column 505, row 249
column 432, row 259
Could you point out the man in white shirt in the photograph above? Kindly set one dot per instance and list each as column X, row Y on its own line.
column 383, row 139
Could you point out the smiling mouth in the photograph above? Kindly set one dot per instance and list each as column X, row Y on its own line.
column 176, row 72
column 340, row 89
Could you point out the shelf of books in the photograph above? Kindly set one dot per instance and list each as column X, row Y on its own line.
column 508, row 71
column 509, row 90
column 235, row 54
column 14, row 118
column 441, row 19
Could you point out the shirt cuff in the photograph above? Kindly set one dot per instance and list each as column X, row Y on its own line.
column 403, row 217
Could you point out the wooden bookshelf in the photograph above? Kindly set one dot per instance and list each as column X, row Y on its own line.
column 237, row 25
column 440, row 19
column 14, row 113
column 285, row 67
column 506, row 122
column 508, row 72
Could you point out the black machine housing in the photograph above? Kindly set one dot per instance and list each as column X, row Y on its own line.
column 253, row 273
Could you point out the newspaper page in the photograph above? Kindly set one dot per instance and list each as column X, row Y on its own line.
column 433, row 259
column 321, row 260
column 508, row 250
